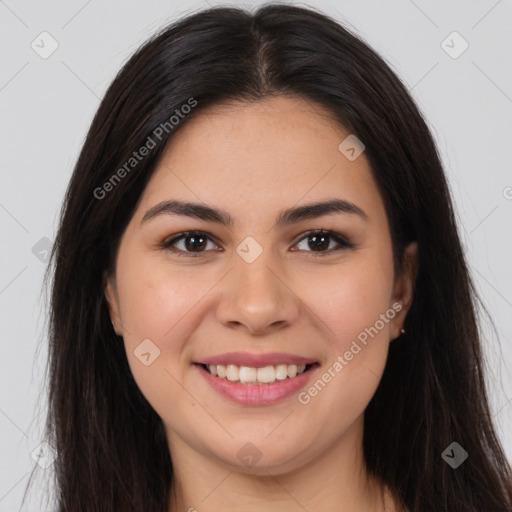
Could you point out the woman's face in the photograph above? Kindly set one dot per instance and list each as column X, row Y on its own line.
column 261, row 293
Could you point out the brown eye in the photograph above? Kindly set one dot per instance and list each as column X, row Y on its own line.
column 190, row 242
column 320, row 241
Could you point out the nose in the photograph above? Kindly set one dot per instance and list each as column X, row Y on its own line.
column 257, row 299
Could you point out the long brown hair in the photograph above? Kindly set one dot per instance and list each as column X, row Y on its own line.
column 112, row 453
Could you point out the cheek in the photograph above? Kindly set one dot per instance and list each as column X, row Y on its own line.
column 160, row 311
column 158, row 301
column 162, row 306
column 355, row 306
column 351, row 299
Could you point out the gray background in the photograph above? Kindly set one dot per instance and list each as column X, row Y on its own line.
column 48, row 103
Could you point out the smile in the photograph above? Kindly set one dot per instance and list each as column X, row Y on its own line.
column 251, row 375
column 256, row 379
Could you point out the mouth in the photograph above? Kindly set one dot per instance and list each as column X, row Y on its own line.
column 256, row 380
column 248, row 375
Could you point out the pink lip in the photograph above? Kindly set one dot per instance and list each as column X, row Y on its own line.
column 257, row 394
column 256, row 360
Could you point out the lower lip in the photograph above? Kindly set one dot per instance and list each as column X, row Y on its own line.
column 257, row 394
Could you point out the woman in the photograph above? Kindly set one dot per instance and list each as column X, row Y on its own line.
column 260, row 300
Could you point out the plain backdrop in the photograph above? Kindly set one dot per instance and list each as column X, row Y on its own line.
column 48, row 100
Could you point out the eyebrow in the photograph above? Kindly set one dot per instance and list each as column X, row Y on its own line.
column 285, row 217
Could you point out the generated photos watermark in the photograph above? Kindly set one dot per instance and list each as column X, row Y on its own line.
column 304, row 397
column 137, row 156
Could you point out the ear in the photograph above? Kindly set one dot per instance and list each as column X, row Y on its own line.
column 403, row 290
column 112, row 297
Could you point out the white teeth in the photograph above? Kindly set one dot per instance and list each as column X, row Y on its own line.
column 232, row 372
column 281, row 371
column 292, row 370
column 221, row 371
column 249, row 375
column 266, row 374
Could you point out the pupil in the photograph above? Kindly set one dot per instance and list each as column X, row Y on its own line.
column 198, row 242
column 319, row 242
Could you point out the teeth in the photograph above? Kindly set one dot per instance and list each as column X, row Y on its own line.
column 221, row 371
column 281, row 372
column 266, row 374
column 232, row 372
column 248, row 375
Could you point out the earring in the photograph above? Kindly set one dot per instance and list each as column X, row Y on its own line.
column 402, row 331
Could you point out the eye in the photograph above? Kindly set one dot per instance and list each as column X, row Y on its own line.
column 193, row 243
column 320, row 242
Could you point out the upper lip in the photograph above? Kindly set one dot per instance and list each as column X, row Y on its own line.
column 256, row 360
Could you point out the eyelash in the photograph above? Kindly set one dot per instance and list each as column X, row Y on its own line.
column 341, row 241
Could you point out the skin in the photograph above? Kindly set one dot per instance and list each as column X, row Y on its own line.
column 253, row 160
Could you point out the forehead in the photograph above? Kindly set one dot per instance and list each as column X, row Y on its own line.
column 261, row 156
